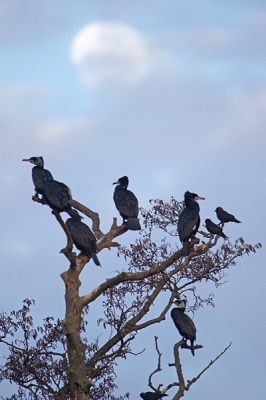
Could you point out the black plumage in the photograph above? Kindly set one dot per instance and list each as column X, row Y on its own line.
column 184, row 323
column 83, row 238
column 189, row 220
column 152, row 395
column 40, row 175
column 224, row 216
column 56, row 195
column 214, row 229
column 127, row 204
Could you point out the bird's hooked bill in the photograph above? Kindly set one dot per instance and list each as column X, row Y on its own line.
column 28, row 159
column 199, row 198
column 116, row 183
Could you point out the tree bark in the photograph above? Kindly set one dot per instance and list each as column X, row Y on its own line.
column 79, row 384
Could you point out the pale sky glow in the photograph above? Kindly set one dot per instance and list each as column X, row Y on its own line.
column 109, row 51
column 172, row 94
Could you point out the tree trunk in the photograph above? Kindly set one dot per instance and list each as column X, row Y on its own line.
column 79, row 384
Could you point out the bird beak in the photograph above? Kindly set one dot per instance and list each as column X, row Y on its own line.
column 199, row 198
column 116, row 183
column 26, row 159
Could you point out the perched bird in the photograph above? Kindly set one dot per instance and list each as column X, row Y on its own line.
column 184, row 323
column 127, row 204
column 224, row 216
column 56, row 196
column 152, row 395
column 40, row 175
column 83, row 238
column 189, row 220
column 214, row 229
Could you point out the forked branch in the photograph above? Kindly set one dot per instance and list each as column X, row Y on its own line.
column 182, row 386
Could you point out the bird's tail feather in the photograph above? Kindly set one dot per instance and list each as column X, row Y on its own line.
column 74, row 214
column 186, row 248
column 224, row 236
column 133, row 224
column 192, row 348
column 95, row 259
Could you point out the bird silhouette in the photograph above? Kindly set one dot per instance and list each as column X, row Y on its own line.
column 152, row 395
column 56, row 195
column 127, row 204
column 189, row 220
column 40, row 175
column 224, row 216
column 214, row 229
column 83, row 238
column 184, row 323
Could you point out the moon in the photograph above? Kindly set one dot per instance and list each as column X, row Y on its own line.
column 105, row 52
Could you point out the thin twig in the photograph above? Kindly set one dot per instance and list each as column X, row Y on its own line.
column 208, row 366
column 158, row 369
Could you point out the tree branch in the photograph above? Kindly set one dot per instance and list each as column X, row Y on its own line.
column 158, row 369
column 130, row 325
column 71, row 256
column 91, row 214
column 128, row 276
column 161, row 317
column 179, row 372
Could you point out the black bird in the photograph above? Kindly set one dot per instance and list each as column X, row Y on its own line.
column 127, row 204
column 189, row 220
column 224, row 216
column 152, row 395
column 214, row 229
column 40, row 175
column 56, row 195
column 83, row 238
column 184, row 323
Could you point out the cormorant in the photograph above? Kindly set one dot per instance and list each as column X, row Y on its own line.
column 184, row 323
column 189, row 220
column 152, row 395
column 224, row 216
column 127, row 204
column 83, row 238
column 56, row 195
column 214, row 229
column 40, row 175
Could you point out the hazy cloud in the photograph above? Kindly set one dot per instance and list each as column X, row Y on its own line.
column 62, row 129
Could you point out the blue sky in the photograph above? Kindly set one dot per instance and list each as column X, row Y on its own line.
column 181, row 106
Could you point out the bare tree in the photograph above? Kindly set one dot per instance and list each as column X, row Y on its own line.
column 56, row 360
